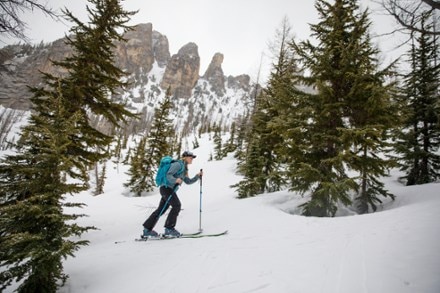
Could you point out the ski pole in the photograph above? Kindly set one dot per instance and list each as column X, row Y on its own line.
column 164, row 206
column 200, row 205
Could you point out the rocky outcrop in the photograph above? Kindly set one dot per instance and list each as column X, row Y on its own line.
column 20, row 67
column 214, row 75
column 182, row 72
column 161, row 49
column 239, row 82
column 142, row 48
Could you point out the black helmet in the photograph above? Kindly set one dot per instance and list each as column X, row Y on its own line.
column 188, row 154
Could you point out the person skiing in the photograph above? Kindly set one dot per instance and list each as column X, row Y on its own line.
column 174, row 178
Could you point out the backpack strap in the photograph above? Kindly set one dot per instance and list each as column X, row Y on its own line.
column 182, row 167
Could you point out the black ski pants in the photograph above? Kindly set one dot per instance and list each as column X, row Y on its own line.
column 175, row 204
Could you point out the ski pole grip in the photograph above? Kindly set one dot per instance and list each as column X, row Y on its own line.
column 175, row 186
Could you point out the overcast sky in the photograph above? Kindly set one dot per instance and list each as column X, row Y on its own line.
column 240, row 29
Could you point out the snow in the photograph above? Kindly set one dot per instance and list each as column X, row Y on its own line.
column 266, row 248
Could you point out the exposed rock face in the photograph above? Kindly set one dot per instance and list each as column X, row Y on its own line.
column 199, row 100
column 142, row 48
column 161, row 49
column 239, row 82
column 214, row 74
column 20, row 66
column 182, row 71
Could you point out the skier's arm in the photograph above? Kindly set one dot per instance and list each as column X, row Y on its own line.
column 188, row 180
column 174, row 168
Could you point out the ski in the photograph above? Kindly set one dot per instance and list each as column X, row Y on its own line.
column 205, row 235
column 185, row 235
column 162, row 236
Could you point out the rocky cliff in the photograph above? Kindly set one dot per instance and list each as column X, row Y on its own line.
column 151, row 70
column 214, row 74
column 182, row 72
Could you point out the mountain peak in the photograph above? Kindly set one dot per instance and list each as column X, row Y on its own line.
column 214, row 74
column 145, row 57
column 182, row 71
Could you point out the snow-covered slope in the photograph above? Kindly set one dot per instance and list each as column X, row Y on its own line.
column 267, row 249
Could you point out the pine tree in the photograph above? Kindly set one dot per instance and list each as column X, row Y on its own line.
column 321, row 170
column 36, row 232
column 342, row 128
column 100, row 179
column 177, row 150
column 371, row 115
column 257, row 162
column 148, row 154
column 218, row 144
column 92, row 78
column 419, row 142
column 262, row 165
column 230, row 146
column 59, row 142
column 268, row 141
column 117, row 152
column 162, row 131
column 271, row 112
column 195, row 143
column 137, row 173
column 252, row 182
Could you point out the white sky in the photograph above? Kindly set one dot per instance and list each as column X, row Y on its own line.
column 240, row 29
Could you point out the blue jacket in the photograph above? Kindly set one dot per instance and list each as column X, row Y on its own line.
column 173, row 174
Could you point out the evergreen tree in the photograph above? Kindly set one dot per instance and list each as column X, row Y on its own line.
column 137, row 181
column 92, row 78
column 371, row 115
column 100, row 179
column 347, row 117
column 195, row 143
column 59, row 142
column 162, row 131
column 252, row 182
column 218, row 144
column 241, row 135
column 177, row 146
column 272, row 108
column 419, row 142
column 230, row 146
column 262, row 165
column 268, row 140
column 117, row 152
column 36, row 232
column 152, row 149
column 257, row 156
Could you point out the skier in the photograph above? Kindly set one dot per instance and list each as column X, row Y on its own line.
column 174, row 177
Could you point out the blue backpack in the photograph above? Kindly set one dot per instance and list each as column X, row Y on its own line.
column 164, row 166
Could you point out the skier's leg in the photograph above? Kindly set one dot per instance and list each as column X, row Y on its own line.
column 171, row 221
column 154, row 217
